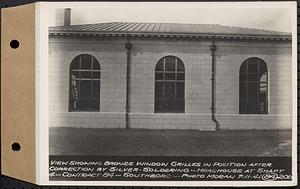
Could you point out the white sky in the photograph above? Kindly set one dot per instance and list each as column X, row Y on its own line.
column 269, row 16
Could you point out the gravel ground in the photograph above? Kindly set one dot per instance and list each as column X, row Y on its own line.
column 79, row 141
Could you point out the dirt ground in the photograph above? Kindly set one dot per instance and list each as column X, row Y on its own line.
column 142, row 142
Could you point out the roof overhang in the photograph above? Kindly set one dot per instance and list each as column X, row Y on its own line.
column 171, row 35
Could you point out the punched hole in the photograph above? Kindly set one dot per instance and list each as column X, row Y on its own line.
column 16, row 147
column 14, row 44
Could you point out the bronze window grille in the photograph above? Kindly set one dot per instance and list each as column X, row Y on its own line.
column 169, row 85
column 253, row 97
column 84, row 93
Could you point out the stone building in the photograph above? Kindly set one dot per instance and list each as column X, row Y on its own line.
column 169, row 76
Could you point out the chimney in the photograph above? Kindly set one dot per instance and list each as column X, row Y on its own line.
column 67, row 17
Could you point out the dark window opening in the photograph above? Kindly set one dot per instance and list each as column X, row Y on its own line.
column 253, row 87
column 169, row 85
column 85, row 74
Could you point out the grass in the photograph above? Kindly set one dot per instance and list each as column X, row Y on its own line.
column 80, row 141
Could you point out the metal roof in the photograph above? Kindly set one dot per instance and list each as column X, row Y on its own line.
column 167, row 30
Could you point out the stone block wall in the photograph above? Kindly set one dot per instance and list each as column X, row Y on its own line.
column 195, row 54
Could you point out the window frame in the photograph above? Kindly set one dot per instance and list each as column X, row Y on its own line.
column 92, row 80
column 175, row 81
column 244, row 70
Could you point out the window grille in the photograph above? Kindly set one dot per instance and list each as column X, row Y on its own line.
column 169, row 85
column 253, row 87
column 85, row 74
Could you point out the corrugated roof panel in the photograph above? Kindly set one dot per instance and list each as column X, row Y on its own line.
column 156, row 27
column 105, row 28
column 100, row 27
column 162, row 27
column 108, row 28
column 150, row 29
column 146, row 28
column 117, row 26
column 124, row 27
column 137, row 29
column 127, row 27
column 133, row 26
column 84, row 27
column 140, row 26
column 93, row 28
column 174, row 28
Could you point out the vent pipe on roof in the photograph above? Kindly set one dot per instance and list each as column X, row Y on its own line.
column 213, row 49
column 67, row 17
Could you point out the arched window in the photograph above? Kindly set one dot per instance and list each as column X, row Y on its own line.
column 169, row 85
column 254, row 87
column 85, row 74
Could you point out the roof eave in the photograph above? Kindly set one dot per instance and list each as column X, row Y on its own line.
column 172, row 35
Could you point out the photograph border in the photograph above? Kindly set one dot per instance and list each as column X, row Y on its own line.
column 42, row 104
